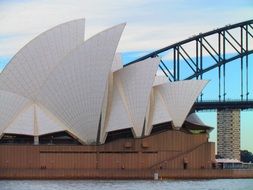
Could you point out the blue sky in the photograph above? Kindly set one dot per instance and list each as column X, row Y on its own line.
column 151, row 25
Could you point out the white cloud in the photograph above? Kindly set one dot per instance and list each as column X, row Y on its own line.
column 151, row 24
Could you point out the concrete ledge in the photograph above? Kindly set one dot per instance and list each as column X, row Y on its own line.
column 122, row 174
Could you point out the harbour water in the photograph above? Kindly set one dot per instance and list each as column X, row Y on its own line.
column 219, row 184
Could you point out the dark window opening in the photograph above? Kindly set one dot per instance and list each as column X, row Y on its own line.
column 185, row 165
column 58, row 138
column 158, row 128
column 16, row 139
column 194, row 128
column 119, row 134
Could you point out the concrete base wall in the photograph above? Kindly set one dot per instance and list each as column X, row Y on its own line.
column 173, row 154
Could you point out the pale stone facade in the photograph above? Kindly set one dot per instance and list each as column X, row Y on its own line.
column 228, row 133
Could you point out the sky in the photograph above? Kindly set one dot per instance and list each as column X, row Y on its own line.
column 151, row 25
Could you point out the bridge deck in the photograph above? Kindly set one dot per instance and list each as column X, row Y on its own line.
column 214, row 105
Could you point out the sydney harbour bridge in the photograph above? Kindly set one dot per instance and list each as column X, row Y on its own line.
column 223, row 56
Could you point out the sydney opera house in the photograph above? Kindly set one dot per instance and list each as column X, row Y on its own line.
column 70, row 109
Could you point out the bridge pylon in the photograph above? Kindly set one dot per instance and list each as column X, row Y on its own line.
column 228, row 133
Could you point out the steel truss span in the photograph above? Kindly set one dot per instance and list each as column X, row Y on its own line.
column 222, row 45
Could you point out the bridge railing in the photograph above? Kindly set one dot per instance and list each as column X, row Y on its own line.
column 218, row 105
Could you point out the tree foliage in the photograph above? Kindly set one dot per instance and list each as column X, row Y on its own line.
column 246, row 156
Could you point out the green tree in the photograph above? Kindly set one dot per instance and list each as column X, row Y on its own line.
column 246, row 156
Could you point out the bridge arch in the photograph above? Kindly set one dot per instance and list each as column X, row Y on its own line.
column 222, row 45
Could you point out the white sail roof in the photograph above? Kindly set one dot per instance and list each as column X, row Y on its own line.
column 34, row 121
column 160, row 80
column 117, row 62
column 10, row 105
column 74, row 91
column 194, row 119
column 133, row 84
column 158, row 112
column 47, row 123
column 22, row 123
column 179, row 97
column 29, row 68
column 161, row 113
column 58, row 82
column 119, row 117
